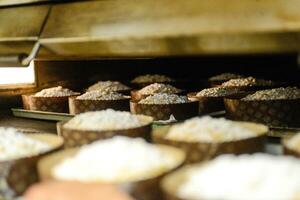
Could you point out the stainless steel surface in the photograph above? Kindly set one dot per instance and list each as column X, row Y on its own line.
column 11, row 60
column 22, row 23
column 19, row 33
column 41, row 115
column 172, row 27
column 20, row 60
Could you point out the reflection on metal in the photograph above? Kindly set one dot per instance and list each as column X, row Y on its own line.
column 172, row 27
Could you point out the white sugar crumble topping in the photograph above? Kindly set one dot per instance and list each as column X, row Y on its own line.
column 249, row 81
column 294, row 142
column 225, row 76
column 162, row 98
column 248, row 177
column 111, row 86
column 14, row 145
column 217, row 92
column 105, row 120
column 208, row 129
column 159, row 88
column 101, row 95
column 58, row 91
column 152, row 78
column 120, row 159
column 275, row 94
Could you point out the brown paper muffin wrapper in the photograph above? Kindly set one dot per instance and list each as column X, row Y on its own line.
column 136, row 96
column 25, row 101
column 147, row 189
column 202, row 151
column 213, row 104
column 207, row 104
column 287, row 150
column 180, row 111
column 77, row 106
column 76, row 138
column 49, row 104
column 274, row 113
column 22, row 172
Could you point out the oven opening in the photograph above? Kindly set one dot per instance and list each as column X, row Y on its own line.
column 17, row 77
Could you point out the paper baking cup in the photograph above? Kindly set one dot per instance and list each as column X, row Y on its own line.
column 22, row 172
column 201, row 151
column 25, row 101
column 49, row 104
column 274, row 113
column 77, row 106
column 207, row 104
column 147, row 188
column 76, row 138
column 212, row 104
column 180, row 111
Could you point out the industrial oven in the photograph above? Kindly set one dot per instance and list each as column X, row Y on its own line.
column 74, row 44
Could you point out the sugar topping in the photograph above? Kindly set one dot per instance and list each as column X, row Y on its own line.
column 105, row 120
column 163, row 98
column 275, row 94
column 14, row 145
column 111, row 86
column 248, row 177
column 58, row 91
column 208, row 129
column 101, row 95
column 120, row 159
column 249, row 81
column 217, row 92
column 159, row 88
column 225, row 77
column 152, row 78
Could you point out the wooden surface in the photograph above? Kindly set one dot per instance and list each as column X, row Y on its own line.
column 173, row 27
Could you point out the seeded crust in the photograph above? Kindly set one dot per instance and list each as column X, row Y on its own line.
column 162, row 98
column 275, row 94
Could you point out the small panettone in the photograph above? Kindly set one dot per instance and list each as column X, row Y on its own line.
column 53, row 99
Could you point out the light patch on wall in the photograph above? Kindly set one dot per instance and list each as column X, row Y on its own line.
column 17, row 75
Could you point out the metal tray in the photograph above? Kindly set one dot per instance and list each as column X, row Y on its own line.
column 52, row 116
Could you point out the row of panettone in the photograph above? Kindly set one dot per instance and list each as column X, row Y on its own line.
column 161, row 100
column 107, row 147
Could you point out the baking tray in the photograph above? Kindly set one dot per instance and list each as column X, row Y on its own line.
column 51, row 116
